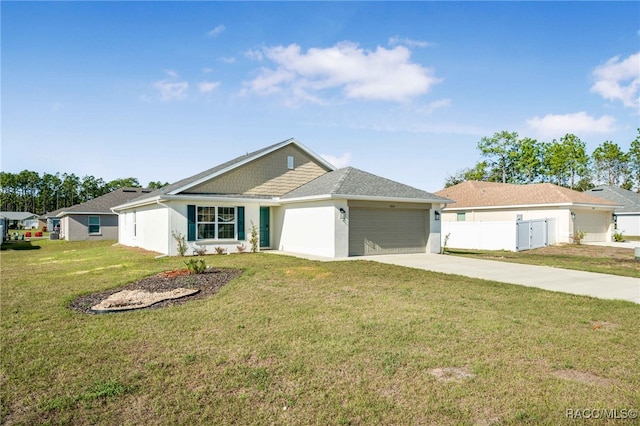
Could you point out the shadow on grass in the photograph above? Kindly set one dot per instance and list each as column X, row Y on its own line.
column 18, row 245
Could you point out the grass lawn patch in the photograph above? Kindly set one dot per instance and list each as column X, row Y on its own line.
column 580, row 257
column 292, row 341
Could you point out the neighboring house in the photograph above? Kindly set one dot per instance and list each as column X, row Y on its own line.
column 21, row 220
column 50, row 220
column 490, row 215
column 4, row 231
column 294, row 199
column 94, row 219
column 627, row 216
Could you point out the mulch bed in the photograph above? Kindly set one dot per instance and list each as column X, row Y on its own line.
column 209, row 283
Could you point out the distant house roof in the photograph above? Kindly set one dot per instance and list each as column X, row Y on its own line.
column 104, row 203
column 19, row 215
column 629, row 199
column 354, row 183
column 474, row 194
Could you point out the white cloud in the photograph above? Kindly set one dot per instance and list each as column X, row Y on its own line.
column 229, row 60
column 619, row 80
column 208, row 86
column 170, row 88
column 432, row 106
column 216, row 31
column 394, row 41
column 383, row 74
column 558, row 125
column 339, row 162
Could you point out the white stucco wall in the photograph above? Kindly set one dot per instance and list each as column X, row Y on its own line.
column 434, row 232
column 597, row 223
column 629, row 224
column 150, row 230
column 312, row 228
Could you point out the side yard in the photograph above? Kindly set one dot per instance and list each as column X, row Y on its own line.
column 581, row 257
column 292, row 341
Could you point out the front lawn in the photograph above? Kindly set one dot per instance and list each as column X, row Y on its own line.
column 581, row 257
column 292, row 341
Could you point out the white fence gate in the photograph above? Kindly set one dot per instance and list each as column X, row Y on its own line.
column 531, row 234
column 512, row 236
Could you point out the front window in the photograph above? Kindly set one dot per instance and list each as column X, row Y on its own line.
column 216, row 223
column 94, row 224
column 462, row 217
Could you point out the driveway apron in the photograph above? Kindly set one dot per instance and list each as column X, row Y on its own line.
column 602, row 286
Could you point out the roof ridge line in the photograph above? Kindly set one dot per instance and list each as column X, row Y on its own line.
column 340, row 182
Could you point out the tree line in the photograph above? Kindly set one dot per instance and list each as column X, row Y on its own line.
column 29, row 191
column 508, row 158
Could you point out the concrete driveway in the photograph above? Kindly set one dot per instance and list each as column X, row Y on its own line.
column 602, row 286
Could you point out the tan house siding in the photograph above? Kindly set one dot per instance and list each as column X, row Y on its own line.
column 268, row 175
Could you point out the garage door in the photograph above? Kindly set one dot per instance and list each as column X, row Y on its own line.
column 594, row 223
column 386, row 231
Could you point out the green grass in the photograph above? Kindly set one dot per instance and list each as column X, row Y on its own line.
column 581, row 257
column 299, row 342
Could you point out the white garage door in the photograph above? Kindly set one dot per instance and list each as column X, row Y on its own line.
column 387, row 231
column 594, row 223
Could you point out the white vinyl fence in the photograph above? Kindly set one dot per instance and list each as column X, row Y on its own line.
column 512, row 236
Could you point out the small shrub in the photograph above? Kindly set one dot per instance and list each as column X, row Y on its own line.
column 220, row 250
column 444, row 244
column 182, row 242
column 578, row 236
column 255, row 238
column 196, row 266
column 617, row 237
column 199, row 250
column 241, row 248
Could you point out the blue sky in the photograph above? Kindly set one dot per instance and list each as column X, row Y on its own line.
column 163, row 90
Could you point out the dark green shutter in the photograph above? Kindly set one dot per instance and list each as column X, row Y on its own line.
column 191, row 222
column 240, row 213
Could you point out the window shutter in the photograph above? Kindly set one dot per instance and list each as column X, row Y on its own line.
column 191, row 222
column 240, row 211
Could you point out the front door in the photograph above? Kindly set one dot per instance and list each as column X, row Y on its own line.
column 264, row 227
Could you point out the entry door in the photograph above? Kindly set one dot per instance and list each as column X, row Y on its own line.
column 264, row 226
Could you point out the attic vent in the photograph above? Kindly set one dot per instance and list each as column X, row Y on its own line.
column 597, row 189
column 290, row 162
column 146, row 191
column 129, row 190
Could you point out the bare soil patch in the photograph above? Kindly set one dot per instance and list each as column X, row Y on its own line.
column 582, row 377
column 207, row 284
column 617, row 253
column 451, row 374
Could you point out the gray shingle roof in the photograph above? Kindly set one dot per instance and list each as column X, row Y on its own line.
column 629, row 199
column 354, row 182
column 104, row 203
column 18, row 215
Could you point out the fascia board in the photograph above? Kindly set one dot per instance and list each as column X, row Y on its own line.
column 139, row 203
column 362, row 198
column 208, row 198
column 68, row 213
column 529, row 206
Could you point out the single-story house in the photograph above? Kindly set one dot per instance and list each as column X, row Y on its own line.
column 491, row 215
column 294, row 199
column 94, row 219
column 21, row 220
column 627, row 219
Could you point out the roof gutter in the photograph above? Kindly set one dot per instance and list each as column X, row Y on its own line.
column 520, row 206
column 365, row 198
